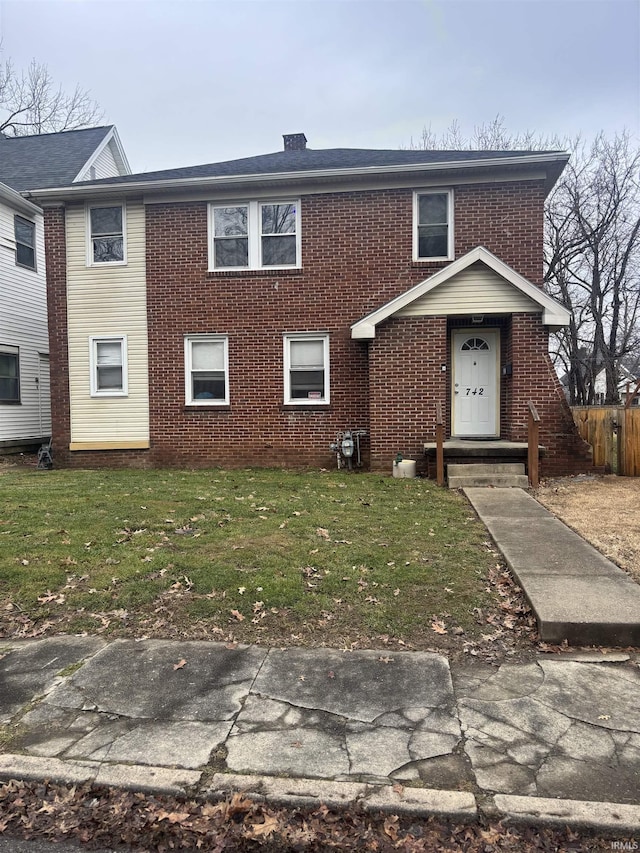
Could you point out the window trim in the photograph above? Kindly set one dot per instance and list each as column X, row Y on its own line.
column 450, row 224
column 94, row 340
column 254, row 234
column 213, row 338
column 30, row 222
column 290, row 337
column 5, row 349
column 89, row 235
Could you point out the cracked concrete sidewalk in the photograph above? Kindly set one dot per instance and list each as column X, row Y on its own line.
column 402, row 728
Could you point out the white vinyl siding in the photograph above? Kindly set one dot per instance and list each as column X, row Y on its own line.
column 104, row 166
column 23, row 326
column 107, row 301
column 475, row 290
column 306, row 369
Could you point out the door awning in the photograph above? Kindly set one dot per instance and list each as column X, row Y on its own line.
column 554, row 315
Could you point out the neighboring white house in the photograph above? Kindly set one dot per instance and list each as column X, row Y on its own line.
column 627, row 379
column 26, row 162
column 25, row 408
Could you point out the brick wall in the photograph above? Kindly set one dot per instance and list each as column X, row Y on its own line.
column 356, row 254
column 406, row 380
column 56, row 262
column 535, row 379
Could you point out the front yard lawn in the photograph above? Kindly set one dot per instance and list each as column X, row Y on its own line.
column 263, row 556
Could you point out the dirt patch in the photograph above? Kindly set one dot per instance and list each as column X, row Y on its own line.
column 604, row 510
column 11, row 461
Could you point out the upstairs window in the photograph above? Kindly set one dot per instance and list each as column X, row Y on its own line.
column 254, row 235
column 109, row 366
column 306, row 369
column 106, row 230
column 433, row 228
column 206, row 370
column 25, row 235
column 9, row 375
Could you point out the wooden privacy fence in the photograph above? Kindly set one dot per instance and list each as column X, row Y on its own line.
column 614, row 434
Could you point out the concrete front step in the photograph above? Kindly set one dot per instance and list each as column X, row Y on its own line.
column 505, row 481
column 503, row 474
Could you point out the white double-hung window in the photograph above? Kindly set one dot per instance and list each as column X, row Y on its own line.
column 206, row 370
column 254, row 235
column 433, row 225
column 106, row 228
column 108, row 359
column 306, row 369
column 9, row 375
column 25, row 234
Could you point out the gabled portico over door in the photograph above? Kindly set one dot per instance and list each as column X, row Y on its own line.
column 475, row 395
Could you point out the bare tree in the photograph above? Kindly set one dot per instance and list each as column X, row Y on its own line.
column 490, row 136
column 593, row 262
column 30, row 102
column 592, row 248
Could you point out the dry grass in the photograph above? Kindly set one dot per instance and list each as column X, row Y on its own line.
column 604, row 510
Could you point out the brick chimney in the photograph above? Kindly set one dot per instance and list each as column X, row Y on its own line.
column 294, row 141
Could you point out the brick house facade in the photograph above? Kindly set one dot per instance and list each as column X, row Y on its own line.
column 203, row 363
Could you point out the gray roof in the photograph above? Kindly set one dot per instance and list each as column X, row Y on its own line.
column 309, row 159
column 47, row 159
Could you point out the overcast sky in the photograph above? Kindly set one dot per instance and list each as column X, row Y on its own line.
column 200, row 81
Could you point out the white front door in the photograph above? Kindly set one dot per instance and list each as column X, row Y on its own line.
column 476, row 396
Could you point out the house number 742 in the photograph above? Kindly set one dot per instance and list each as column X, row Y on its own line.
column 474, row 391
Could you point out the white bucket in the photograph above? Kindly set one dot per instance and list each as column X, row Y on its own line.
column 405, row 470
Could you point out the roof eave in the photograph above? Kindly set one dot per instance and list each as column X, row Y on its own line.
column 13, row 198
column 555, row 163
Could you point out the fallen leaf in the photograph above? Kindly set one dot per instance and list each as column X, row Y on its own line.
column 323, row 532
column 238, row 615
column 391, row 827
column 51, row 596
column 180, row 664
column 173, row 817
column 265, row 829
column 438, row 626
